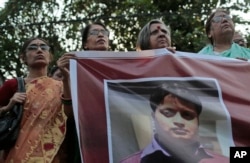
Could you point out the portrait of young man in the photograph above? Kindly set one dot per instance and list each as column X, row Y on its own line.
column 175, row 113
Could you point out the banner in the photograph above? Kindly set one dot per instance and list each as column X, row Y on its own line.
column 149, row 105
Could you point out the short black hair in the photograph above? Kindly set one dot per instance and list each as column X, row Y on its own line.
column 176, row 89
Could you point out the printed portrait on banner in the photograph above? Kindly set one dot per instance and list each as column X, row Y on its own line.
column 146, row 115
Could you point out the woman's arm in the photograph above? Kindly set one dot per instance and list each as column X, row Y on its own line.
column 8, row 95
column 63, row 64
column 18, row 97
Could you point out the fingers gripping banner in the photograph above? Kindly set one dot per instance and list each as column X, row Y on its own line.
column 153, row 106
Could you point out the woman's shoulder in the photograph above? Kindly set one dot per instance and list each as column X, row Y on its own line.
column 7, row 90
column 55, row 84
column 208, row 49
column 54, row 81
column 10, row 83
column 240, row 48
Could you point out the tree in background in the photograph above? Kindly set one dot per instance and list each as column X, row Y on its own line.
column 61, row 21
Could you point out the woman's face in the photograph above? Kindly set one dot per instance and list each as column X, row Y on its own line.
column 221, row 24
column 37, row 54
column 57, row 75
column 98, row 38
column 159, row 36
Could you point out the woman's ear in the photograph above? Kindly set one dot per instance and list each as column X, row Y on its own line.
column 23, row 59
column 85, row 46
column 209, row 35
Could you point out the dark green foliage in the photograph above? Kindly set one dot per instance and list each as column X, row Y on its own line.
column 60, row 22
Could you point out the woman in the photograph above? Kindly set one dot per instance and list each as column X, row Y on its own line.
column 55, row 73
column 43, row 125
column 154, row 35
column 95, row 36
column 220, row 31
column 239, row 39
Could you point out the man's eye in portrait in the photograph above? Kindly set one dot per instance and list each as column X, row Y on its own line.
column 188, row 115
column 168, row 112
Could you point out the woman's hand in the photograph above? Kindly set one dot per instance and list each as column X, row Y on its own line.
column 63, row 64
column 243, row 59
column 172, row 49
column 18, row 97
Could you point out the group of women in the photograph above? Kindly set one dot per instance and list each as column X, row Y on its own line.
column 47, row 102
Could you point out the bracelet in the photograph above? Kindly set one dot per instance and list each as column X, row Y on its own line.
column 66, row 101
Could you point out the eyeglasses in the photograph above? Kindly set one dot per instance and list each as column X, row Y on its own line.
column 218, row 19
column 34, row 47
column 96, row 32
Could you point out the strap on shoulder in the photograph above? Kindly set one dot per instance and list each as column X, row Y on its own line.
column 21, row 87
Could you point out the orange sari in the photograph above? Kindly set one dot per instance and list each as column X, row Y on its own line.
column 43, row 125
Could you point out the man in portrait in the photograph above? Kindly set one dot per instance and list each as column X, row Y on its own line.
column 175, row 115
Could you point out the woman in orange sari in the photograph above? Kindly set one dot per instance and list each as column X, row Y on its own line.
column 47, row 103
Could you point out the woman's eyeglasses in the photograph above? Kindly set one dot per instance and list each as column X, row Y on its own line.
column 36, row 47
column 96, row 32
column 218, row 19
